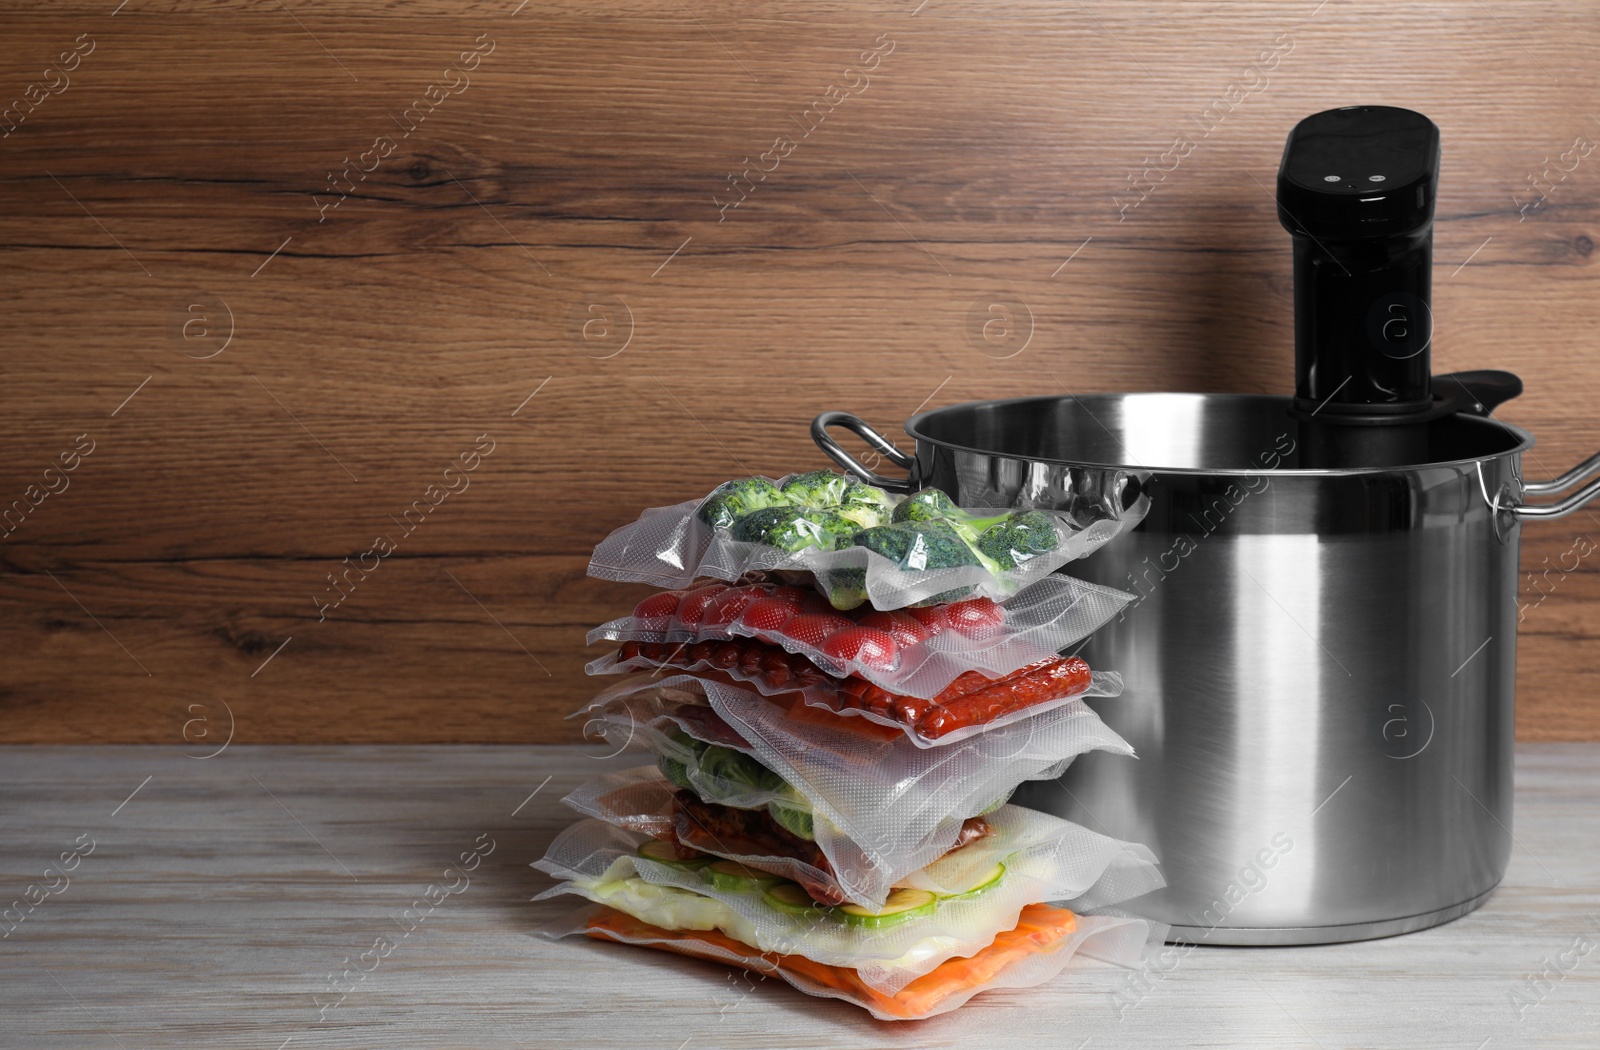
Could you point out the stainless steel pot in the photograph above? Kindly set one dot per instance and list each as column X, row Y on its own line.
column 1320, row 664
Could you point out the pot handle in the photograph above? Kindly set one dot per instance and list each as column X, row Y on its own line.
column 1577, row 475
column 881, row 444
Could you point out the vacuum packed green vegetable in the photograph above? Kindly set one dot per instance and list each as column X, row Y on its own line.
column 830, row 512
column 732, row 499
column 858, row 544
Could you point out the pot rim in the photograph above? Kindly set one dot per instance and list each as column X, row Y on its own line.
column 1525, row 440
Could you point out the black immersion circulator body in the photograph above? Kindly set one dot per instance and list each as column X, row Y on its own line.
column 1356, row 189
column 1360, row 309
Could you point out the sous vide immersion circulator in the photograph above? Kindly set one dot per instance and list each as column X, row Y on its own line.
column 1357, row 188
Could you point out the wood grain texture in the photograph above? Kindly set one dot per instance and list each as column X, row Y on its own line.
column 222, row 893
column 582, row 168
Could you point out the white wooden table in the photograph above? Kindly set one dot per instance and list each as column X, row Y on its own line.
column 219, row 894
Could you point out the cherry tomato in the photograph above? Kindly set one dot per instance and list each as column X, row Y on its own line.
column 767, row 615
column 658, row 605
column 812, row 629
column 726, row 607
column 933, row 618
column 792, row 596
column 976, row 617
column 898, row 625
column 693, row 606
column 865, row 646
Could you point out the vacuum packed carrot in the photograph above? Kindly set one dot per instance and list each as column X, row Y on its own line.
column 1040, row 928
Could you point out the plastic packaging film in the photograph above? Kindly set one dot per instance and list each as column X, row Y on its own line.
column 855, row 543
column 1044, row 943
column 970, row 705
column 915, row 652
column 837, row 726
column 877, row 806
column 958, row 902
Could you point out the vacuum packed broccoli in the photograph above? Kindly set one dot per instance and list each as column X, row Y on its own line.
column 927, row 505
column 1018, row 538
column 819, row 508
column 1006, row 538
column 828, row 511
column 816, row 488
column 917, row 545
column 733, row 499
column 794, row 529
column 866, row 505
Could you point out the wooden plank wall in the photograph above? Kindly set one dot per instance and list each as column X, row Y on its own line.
column 548, row 264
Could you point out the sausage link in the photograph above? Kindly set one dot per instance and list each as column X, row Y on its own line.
column 1041, row 684
column 970, row 700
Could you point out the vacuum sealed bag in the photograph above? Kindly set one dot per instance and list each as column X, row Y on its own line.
column 970, row 705
column 914, row 931
column 911, row 652
column 875, row 804
column 1041, row 945
column 855, row 543
column 1028, row 855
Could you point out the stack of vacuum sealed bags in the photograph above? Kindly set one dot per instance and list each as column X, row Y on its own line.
column 837, row 726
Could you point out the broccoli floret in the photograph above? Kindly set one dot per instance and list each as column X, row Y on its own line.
column 867, row 505
column 793, row 529
column 816, row 488
column 927, row 505
column 996, row 544
column 917, row 545
column 864, row 515
column 1026, row 532
column 946, row 547
column 753, row 527
column 857, row 493
column 971, row 527
column 733, row 499
column 934, row 505
column 847, row 588
column 891, row 541
column 839, row 528
column 1018, row 538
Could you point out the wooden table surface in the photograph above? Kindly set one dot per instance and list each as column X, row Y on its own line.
column 211, row 899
